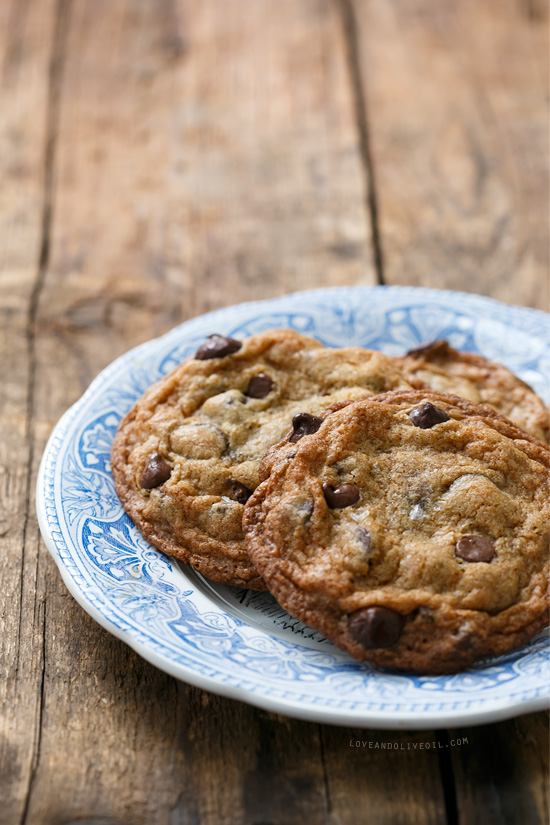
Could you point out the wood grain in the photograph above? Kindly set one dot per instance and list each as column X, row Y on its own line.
column 502, row 772
column 458, row 136
column 383, row 776
column 26, row 49
column 200, row 177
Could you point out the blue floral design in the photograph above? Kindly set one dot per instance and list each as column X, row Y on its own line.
column 97, row 498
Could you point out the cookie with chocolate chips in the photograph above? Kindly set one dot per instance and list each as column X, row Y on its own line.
column 472, row 376
column 185, row 459
column 411, row 529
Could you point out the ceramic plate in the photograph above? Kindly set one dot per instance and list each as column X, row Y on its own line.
column 239, row 643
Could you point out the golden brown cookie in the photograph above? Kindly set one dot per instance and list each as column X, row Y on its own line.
column 185, row 458
column 411, row 529
column 472, row 376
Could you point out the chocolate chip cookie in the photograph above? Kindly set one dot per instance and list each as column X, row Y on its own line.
column 411, row 529
column 185, row 458
column 473, row 377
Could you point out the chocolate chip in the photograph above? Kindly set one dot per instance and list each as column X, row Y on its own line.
column 474, row 548
column 427, row 416
column 342, row 496
column 375, row 627
column 239, row 492
column 156, row 472
column 439, row 344
column 304, row 424
column 259, row 386
column 216, row 346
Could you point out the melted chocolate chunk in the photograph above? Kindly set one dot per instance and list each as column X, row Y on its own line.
column 260, row 386
column 239, row 492
column 342, row 496
column 475, row 548
column 304, row 424
column 156, row 472
column 426, row 416
column 216, row 346
column 375, row 627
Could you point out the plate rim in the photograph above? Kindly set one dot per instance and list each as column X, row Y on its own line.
column 500, row 709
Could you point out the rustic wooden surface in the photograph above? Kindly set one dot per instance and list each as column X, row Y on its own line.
column 159, row 158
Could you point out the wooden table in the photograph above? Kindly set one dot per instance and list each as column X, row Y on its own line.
column 159, row 158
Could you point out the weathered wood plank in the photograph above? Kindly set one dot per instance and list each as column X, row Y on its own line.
column 502, row 772
column 459, row 142
column 192, row 169
column 26, row 43
column 206, row 177
column 388, row 777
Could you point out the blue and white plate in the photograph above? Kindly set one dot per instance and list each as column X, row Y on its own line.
column 235, row 642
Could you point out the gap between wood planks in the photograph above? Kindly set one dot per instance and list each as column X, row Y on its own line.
column 351, row 39
column 53, row 105
column 447, row 779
